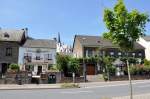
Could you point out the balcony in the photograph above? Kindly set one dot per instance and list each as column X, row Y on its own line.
column 37, row 60
column 27, row 59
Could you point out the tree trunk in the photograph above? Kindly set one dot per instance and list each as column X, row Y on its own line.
column 130, row 81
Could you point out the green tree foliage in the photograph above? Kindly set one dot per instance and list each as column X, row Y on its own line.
column 124, row 28
column 67, row 64
column 62, row 62
column 14, row 66
column 146, row 62
column 73, row 65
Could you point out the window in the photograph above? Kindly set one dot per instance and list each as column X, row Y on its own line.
column 133, row 54
column 6, row 35
column 111, row 53
column 119, row 53
column 28, row 56
column 140, row 54
column 90, row 52
column 8, row 51
column 38, row 56
column 48, row 56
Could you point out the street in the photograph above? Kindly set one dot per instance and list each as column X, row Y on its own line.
column 86, row 92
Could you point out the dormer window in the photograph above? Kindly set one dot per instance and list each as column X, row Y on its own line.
column 98, row 41
column 6, row 35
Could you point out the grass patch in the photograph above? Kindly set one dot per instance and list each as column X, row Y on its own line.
column 70, row 85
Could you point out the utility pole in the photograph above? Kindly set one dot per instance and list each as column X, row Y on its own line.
column 84, row 65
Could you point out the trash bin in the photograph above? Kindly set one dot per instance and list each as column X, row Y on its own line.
column 51, row 79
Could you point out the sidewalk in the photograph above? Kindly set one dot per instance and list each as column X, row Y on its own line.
column 142, row 96
column 29, row 86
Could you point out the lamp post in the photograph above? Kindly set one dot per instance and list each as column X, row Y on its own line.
column 84, row 65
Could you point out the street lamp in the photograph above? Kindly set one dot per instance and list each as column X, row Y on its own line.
column 84, row 65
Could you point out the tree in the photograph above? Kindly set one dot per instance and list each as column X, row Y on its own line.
column 124, row 28
column 108, row 66
column 73, row 65
column 67, row 64
column 62, row 63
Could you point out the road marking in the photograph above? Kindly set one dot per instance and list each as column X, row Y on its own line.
column 76, row 92
column 116, row 85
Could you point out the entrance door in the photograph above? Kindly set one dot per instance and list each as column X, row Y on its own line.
column 90, row 69
column 4, row 68
column 39, row 70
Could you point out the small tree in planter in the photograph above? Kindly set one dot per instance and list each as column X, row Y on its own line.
column 73, row 65
column 124, row 29
column 14, row 67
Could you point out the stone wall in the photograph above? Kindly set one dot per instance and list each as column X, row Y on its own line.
column 14, row 77
column 133, row 77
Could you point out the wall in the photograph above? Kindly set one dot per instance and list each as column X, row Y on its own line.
column 145, row 44
column 77, row 50
column 23, row 50
column 15, row 51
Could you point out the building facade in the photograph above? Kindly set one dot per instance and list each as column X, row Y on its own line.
column 10, row 41
column 37, row 55
column 90, row 46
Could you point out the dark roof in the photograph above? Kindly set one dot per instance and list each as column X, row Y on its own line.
column 147, row 38
column 40, row 43
column 11, row 35
column 99, row 41
column 138, row 46
column 94, row 41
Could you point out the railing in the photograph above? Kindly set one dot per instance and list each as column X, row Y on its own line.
column 30, row 59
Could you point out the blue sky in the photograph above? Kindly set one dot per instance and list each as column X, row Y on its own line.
column 45, row 18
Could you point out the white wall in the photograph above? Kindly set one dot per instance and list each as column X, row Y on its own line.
column 146, row 45
column 23, row 50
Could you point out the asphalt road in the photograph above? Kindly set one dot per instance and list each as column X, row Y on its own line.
column 89, row 92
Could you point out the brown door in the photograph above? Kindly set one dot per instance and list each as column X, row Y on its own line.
column 90, row 69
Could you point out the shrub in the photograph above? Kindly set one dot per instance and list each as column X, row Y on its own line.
column 105, row 76
column 133, row 70
column 70, row 85
column 112, row 70
column 146, row 62
column 14, row 66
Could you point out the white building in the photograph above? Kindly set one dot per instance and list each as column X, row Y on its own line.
column 63, row 48
column 37, row 55
column 145, row 42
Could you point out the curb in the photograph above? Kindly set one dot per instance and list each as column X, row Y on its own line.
column 28, row 88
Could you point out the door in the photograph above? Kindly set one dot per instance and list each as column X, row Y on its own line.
column 39, row 71
column 90, row 69
column 4, row 68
